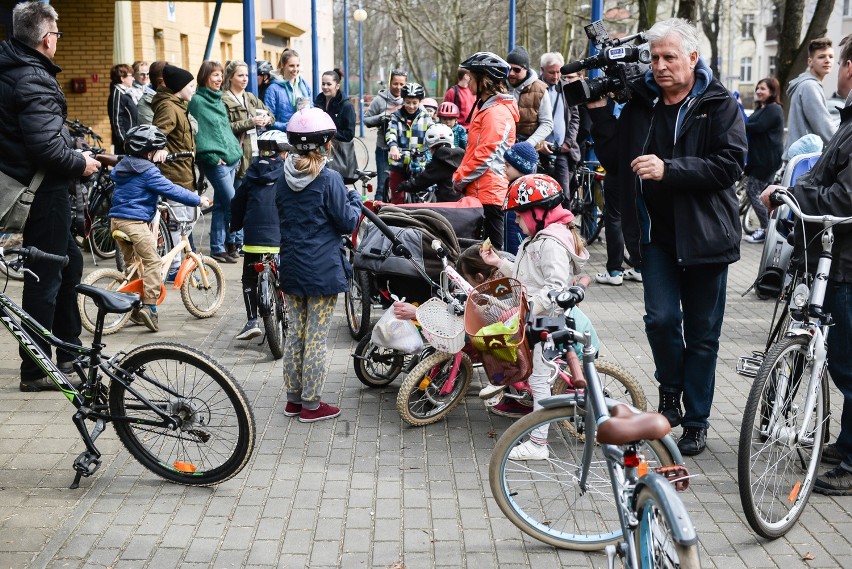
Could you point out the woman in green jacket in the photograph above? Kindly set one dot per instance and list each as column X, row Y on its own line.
column 248, row 115
column 218, row 153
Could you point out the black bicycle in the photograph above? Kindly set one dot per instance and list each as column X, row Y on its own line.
column 271, row 306
column 177, row 410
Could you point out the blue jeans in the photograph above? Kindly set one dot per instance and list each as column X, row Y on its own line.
column 221, row 177
column 838, row 301
column 382, row 168
column 684, row 309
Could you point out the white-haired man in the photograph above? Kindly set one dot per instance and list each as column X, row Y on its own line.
column 561, row 143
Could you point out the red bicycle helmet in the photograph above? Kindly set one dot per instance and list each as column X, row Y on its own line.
column 533, row 190
column 309, row 129
column 448, row 110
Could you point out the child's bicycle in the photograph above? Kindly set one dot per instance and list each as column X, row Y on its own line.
column 178, row 411
column 199, row 278
column 271, row 306
column 615, row 488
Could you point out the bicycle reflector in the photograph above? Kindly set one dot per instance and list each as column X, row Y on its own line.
column 186, row 467
column 258, row 267
column 631, row 459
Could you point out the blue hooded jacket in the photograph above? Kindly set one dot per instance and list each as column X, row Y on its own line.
column 282, row 100
column 138, row 185
column 253, row 208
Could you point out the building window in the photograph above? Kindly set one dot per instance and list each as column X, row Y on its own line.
column 773, row 65
column 775, row 18
column 159, row 44
column 227, row 51
column 745, row 69
column 184, row 51
column 747, row 30
column 847, row 8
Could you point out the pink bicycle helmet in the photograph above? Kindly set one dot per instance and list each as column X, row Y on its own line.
column 429, row 102
column 309, row 129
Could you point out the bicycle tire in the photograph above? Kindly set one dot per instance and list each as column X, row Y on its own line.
column 772, row 511
column 100, row 238
column 655, row 544
column 203, row 302
column 548, row 505
column 419, row 402
column 596, row 207
column 375, row 366
column 358, row 304
column 617, row 383
column 218, row 431
column 108, row 279
column 8, row 240
column 362, row 153
column 273, row 312
column 749, row 220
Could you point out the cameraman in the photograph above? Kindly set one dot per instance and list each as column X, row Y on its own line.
column 676, row 151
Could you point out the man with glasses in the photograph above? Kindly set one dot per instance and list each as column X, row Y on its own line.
column 378, row 116
column 33, row 139
column 141, row 81
column 529, row 91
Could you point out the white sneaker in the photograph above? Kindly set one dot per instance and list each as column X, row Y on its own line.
column 529, row 451
column 250, row 330
column 633, row 275
column 490, row 391
column 606, row 278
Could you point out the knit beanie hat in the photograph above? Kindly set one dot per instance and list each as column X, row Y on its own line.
column 519, row 56
column 523, row 157
column 176, row 78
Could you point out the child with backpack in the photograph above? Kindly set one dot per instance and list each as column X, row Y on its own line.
column 407, row 132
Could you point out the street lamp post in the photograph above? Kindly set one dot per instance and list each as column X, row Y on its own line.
column 345, row 49
column 360, row 15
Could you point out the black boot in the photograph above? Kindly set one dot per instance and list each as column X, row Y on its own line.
column 670, row 407
column 693, row 441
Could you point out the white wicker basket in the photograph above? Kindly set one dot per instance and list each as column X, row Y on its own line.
column 441, row 328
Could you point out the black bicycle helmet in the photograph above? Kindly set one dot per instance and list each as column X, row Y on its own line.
column 415, row 90
column 264, row 67
column 142, row 139
column 487, row 63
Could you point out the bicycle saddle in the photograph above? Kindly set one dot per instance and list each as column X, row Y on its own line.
column 109, row 301
column 625, row 426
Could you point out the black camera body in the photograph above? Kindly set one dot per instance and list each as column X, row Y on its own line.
column 620, row 64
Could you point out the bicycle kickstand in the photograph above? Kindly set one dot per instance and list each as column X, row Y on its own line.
column 88, row 462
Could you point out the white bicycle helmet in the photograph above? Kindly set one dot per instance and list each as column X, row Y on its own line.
column 439, row 134
column 273, row 142
column 309, row 129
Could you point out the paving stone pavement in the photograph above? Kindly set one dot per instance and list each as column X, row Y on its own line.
column 364, row 490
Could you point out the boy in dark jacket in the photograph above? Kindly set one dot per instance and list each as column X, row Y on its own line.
column 439, row 171
column 254, row 211
column 138, row 186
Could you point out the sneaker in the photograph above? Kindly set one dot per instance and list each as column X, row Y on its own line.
column 149, row 318
column 693, row 441
column 614, row 278
column 529, row 451
column 835, row 482
column 633, row 275
column 758, row 236
column 249, row 331
column 491, row 390
column 136, row 319
column 170, row 278
column 321, row 413
column 670, row 408
column 68, row 368
column 222, row 257
column 511, row 408
column 831, row 456
column 292, row 409
column 35, row 385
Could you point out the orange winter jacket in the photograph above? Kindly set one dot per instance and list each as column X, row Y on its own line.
column 482, row 173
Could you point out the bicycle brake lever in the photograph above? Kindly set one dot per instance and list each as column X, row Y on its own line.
column 25, row 270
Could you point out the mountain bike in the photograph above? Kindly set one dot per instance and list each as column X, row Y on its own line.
column 200, row 279
column 786, row 415
column 587, row 201
column 177, row 410
column 615, row 488
column 271, row 306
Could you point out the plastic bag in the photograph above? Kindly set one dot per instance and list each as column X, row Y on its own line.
column 394, row 334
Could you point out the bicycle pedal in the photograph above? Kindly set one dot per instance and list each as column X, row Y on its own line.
column 677, row 474
column 87, row 464
column 494, row 400
column 749, row 366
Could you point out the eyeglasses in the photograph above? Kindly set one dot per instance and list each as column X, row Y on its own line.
column 57, row 34
column 141, row 74
column 516, row 69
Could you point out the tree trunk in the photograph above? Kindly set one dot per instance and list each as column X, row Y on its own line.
column 792, row 55
column 688, row 10
column 710, row 17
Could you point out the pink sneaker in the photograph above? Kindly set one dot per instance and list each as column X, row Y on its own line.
column 321, row 413
column 512, row 409
column 292, row 409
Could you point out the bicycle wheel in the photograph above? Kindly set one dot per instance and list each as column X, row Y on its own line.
column 362, row 153
column 655, row 542
column 273, row 312
column 203, row 301
column 617, row 383
column 777, row 467
column 543, row 498
column 420, row 400
column 108, row 279
column 100, row 238
column 358, row 304
column 376, row 366
column 216, row 431
column 750, row 221
column 593, row 210
column 8, row 240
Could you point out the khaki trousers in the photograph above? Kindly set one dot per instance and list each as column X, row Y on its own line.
column 143, row 247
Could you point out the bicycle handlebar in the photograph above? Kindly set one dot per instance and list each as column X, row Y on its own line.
column 781, row 197
column 397, row 246
column 35, row 254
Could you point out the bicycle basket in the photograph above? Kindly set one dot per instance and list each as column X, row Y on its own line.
column 495, row 317
column 441, row 328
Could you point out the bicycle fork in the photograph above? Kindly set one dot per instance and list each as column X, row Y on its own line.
column 447, row 388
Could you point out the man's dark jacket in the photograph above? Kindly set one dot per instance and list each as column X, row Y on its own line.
column 708, row 157
column 439, row 171
column 827, row 189
column 32, row 119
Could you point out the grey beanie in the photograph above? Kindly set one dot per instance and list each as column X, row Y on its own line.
column 519, row 56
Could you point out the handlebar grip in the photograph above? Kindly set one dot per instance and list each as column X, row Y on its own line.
column 39, row 255
column 398, row 247
column 439, row 248
column 178, row 156
column 775, row 198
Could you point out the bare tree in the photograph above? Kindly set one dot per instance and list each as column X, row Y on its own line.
column 710, row 20
column 647, row 14
column 688, row 10
column 792, row 54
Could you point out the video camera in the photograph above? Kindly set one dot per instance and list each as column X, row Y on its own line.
column 620, row 63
